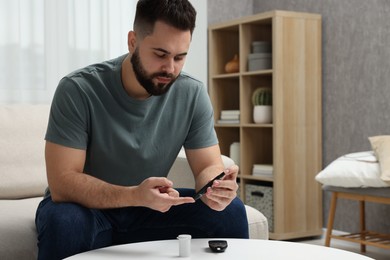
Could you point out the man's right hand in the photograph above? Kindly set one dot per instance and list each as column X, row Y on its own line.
column 158, row 194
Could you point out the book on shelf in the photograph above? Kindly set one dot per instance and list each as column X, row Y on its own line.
column 265, row 170
column 230, row 115
column 228, row 121
column 230, row 112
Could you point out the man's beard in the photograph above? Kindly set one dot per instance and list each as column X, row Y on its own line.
column 146, row 80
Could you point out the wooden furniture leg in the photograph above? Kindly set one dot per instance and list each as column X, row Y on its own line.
column 362, row 226
column 332, row 211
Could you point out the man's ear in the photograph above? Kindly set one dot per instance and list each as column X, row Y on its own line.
column 131, row 41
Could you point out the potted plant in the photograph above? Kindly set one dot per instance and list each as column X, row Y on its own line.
column 262, row 105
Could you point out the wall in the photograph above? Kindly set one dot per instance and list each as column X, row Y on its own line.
column 225, row 10
column 356, row 79
column 197, row 55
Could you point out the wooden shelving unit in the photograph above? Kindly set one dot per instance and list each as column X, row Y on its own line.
column 292, row 142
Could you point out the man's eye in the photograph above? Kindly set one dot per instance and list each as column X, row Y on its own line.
column 179, row 58
column 160, row 55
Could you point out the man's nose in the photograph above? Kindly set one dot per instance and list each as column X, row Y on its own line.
column 169, row 66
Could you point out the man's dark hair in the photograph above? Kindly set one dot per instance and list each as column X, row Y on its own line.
column 177, row 13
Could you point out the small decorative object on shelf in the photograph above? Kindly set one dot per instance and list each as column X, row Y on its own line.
column 235, row 152
column 233, row 65
column 262, row 105
column 261, row 56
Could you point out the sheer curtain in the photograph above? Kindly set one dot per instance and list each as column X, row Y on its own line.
column 43, row 40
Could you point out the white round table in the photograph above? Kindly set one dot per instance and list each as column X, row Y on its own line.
column 237, row 249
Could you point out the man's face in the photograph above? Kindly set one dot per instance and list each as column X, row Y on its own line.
column 158, row 59
column 150, row 82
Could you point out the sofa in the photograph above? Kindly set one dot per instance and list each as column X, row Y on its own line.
column 23, row 180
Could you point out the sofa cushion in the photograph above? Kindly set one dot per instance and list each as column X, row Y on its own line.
column 381, row 146
column 22, row 165
column 18, row 239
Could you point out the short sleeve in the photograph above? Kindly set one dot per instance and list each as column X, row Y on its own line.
column 202, row 133
column 68, row 120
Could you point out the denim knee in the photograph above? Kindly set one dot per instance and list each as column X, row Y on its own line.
column 64, row 218
column 64, row 229
column 236, row 220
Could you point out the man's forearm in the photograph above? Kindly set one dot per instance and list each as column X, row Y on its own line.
column 91, row 192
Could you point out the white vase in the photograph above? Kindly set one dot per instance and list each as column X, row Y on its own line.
column 235, row 152
column 262, row 114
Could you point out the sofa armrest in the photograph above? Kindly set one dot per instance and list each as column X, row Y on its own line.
column 22, row 161
column 257, row 223
column 181, row 174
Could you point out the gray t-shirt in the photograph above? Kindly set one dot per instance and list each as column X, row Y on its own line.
column 128, row 140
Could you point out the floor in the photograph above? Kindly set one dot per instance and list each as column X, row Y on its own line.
column 371, row 251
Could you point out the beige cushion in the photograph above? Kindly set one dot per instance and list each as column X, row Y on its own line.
column 22, row 165
column 18, row 236
column 381, row 146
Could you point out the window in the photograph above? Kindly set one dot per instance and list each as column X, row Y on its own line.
column 43, row 40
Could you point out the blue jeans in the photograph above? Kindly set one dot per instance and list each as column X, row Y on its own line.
column 65, row 229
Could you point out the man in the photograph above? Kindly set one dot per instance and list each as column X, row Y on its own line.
column 114, row 131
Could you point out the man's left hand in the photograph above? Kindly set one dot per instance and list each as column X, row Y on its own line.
column 223, row 191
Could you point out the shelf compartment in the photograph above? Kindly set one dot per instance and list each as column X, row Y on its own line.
column 227, row 136
column 225, row 93
column 224, row 45
column 250, row 32
column 248, row 85
column 259, row 142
